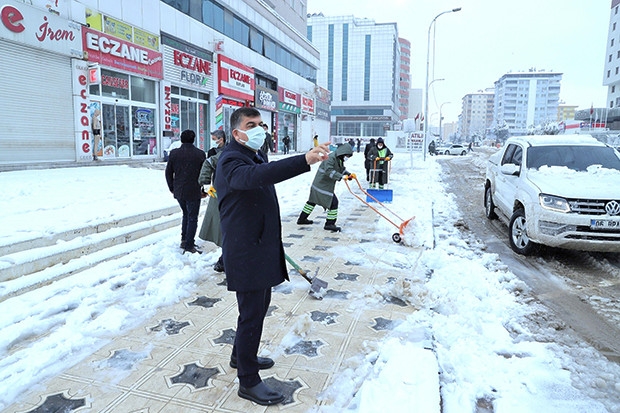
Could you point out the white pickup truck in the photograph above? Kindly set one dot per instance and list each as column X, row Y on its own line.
column 560, row 191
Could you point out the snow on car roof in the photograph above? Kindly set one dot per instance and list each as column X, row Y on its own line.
column 547, row 140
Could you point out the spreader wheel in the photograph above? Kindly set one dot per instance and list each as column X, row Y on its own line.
column 396, row 237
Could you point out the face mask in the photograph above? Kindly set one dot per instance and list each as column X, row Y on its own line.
column 256, row 137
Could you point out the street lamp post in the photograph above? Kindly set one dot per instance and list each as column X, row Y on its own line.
column 428, row 52
column 440, row 119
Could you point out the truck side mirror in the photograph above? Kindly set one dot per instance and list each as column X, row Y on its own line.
column 509, row 169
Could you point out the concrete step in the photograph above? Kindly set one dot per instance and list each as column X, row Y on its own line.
column 31, row 264
column 84, row 231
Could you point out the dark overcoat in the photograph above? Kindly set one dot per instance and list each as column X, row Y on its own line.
column 182, row 172
column 250, row 216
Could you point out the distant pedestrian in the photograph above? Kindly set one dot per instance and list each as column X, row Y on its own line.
column 367, row 162
column 182, row 171
column 359, row 144
column 286, row 142
column 210, row 229
column 380, row 156
column 431, row 148
column 352, row 143
column 470, row 147
column 266, row 146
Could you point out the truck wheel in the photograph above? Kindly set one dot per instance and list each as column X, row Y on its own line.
column 446, row 153
column 517, row 235
column 489, row 205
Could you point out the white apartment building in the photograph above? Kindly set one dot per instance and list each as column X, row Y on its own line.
column 524, row 99
column 477, row 113
column 360, row 64
column 611, row 76
column 118, row 80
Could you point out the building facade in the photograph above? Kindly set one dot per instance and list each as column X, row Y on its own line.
column 524, row 99
column 123, row 78
column 404, row 77
column 477, row 114
column 611, row 75
column 361, row 66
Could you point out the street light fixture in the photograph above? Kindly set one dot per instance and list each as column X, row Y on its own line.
column 428, row 51
column 440, row 119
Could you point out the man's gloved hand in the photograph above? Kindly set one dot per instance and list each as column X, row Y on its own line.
column 387, row 158
column 352, row 176
column 211, row 192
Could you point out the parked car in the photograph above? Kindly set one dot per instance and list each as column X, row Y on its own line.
column 559, row 191
column 451, row 149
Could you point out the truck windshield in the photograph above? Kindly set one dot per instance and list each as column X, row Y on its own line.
column 576, row 157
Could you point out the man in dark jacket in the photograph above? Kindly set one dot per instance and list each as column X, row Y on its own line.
column 252, row 240
column 367, row 162
column 182, row 172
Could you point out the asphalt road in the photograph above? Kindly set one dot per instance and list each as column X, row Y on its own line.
column 581, row 290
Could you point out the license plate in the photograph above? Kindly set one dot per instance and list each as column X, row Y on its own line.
column 604, row 224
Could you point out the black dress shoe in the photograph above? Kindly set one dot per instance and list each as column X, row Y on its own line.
column 264, row 363
column 260, row 394
column 192, row 250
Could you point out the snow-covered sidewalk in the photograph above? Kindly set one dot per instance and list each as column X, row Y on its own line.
column 489, row 340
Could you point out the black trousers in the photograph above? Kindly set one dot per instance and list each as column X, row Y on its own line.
column 252, row 308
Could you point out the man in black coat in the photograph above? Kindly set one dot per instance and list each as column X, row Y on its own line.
column 182, row 171
column 252, row 239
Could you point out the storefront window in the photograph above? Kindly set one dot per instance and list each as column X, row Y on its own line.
column 114, row 84
column 142, row 90
column 287, row 125
column 115, row 120
column 144, row 139
column 190, row 110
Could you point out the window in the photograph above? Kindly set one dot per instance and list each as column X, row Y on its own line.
column 213, row 15
column 241, row 32
column 613, row 27
column 345, row 61
column 367, row 68
column 256, row 40
column 270, row 49
column 309, row 33
column 181, row 5
column 283, row 57
column 114, row 84
column 608, row 73
column 142, row 89
column 330, row 58
column 229, row 24
column 612, row 42
column 613, row 89
column 609, row 58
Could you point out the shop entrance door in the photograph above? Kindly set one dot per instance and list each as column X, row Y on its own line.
column 116, row 129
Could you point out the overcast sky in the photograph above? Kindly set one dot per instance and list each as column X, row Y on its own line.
column 488, row 38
